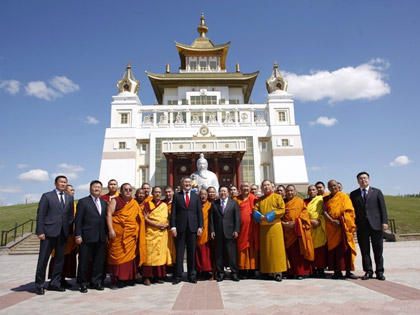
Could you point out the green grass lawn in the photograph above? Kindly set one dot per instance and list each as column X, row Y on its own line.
column 405, row 211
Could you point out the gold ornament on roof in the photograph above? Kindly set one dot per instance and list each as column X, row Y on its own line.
column 128, row 82
column 276, row 81
column 202, row 29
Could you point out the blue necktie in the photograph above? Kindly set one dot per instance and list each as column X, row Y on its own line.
column 223, row 206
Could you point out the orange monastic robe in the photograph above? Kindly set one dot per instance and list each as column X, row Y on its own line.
column 71, row 243
column 129, row 243
column 171, row 239
column 204, row 237
column 340, row 207
column 107, row 197
column 148, row 199
column 296, row 211
column 248, row 239
column 203, row 253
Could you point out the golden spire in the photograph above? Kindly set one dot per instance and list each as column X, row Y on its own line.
column 202, row 29
column 128, row 65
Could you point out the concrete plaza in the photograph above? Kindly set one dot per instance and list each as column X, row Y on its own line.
column 399, row 294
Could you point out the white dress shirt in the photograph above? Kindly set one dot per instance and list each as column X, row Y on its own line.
column 59, row 196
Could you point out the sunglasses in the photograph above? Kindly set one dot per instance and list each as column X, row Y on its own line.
column 128, row 189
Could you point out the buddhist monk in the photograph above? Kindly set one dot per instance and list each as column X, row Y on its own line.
column 169, row 195
column 157, row 251
column 340, row 226
column 247, row 242
column 203, row 253
column 340, row 186
column 112, row 191
column 233, row 192
column 126, row 237
column 140, row 195
column 212, row 194
column 146, row 187
column 272, row 251
column 320, row 187
column 70, row 253
column 297, row 235
column 315, row 205
column 254, row 189
column 281, row 190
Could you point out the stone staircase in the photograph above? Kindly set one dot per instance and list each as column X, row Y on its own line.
column 28, row 245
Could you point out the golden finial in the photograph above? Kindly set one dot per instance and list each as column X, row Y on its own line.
column 202, row 29
column 276, row 65
column 128, row 65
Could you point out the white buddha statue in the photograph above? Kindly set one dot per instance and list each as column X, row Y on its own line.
column 203, row 176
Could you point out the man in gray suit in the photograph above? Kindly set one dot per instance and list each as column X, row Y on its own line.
column 371, row 221
column 54, row 223
column 224, row 227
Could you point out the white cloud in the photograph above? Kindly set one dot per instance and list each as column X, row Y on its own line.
column 40, row 90
column 10, row 86
column 325, row 121
column 20, row 166
column 59, row 85
column 69, row 167
column 365, row 81
column 91, row 120
column 64, row 84
column 69, row 175
column 29, row 198
column 36, row 175
column 400, row 161
column 10, row 190
column 84, row 187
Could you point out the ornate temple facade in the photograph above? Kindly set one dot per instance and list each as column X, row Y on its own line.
column 203, row 108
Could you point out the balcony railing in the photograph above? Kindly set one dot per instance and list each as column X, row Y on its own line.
column 184, row 116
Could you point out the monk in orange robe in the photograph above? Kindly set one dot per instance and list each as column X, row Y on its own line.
column 169, row 195
column 233, row 192
column 248, row 240
column 281, row 190
column 70, row 253
column 140, row 196
column 112, row 191
column 126, row 237
column 147, row 189
column 340, row 226
column 203, row 253
column 297, row 235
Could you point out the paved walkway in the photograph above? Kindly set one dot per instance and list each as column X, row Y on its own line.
column 400, row 294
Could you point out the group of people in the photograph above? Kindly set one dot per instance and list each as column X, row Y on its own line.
column 275, row 235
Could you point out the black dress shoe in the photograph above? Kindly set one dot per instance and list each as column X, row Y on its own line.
column 368, row 275
column 219, row 279
column 350, row 275
column 176, row 281
column 337, row 276
column 380, row 276
column 54, row 288
column 83, row 289
column 65, row 284
column 99, row 287
column 193, row 280
column 40, row 291
column 235, row 278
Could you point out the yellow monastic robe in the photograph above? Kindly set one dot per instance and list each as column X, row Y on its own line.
column 126, row 223
column 316, row 212
column 148, row 198
column 204, row 237
column 157, row 251
column 340, row 207
column 71, row 243
column 171, row 239
column 296, row 211
column 272, row 252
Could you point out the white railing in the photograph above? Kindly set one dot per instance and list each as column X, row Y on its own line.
column 185, row 116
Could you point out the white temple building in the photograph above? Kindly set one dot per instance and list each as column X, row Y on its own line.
column 203, row 108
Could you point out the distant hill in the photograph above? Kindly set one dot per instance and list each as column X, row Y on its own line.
column 405, row 211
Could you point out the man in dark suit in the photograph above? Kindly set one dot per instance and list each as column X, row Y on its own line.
column 90, row 234
column 54, row 223
column 371, row 221
column 224, row 227
column 186, row 224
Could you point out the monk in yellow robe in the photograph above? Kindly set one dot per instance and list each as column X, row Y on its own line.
column 248, row 240
column 340, row 226
column 268, row 210
column 169, row 195
column 70, row 253
column 112, row 191
column 203, row 252
column 315, row 205
column 297, row 235
column 126, row 242
column 157, row 251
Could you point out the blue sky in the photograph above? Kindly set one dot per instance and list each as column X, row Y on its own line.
column 352, row 66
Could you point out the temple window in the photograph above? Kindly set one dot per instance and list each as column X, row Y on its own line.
column 172, row 102
column 203, row 64
column 284, row 142
column 121, row 145
column 213, row 65
column 193, row 65
column 203, row 100
column 124, row 118
column 282, row 116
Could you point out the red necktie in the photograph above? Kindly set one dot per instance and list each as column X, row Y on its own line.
column 187, row 199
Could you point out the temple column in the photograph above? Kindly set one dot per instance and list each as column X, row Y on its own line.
column 216, row 167
column 171, row 171
column 238, row 171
